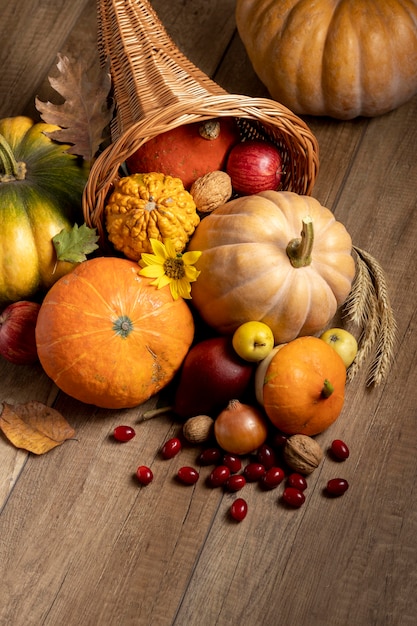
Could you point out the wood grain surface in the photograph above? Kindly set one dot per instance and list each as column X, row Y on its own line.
column 82, row 544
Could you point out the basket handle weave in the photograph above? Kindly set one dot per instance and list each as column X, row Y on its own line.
column 134, row 30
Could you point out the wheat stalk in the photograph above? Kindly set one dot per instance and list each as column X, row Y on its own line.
column 385, row 349
column 368, row 306
column 369, row 334
column 362, row 294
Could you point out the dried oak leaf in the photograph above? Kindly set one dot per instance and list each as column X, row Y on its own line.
column 34, row 426
column 86, row 111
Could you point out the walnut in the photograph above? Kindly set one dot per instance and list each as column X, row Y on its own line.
column 211, row 190
column 302, row 453
column 198, row 429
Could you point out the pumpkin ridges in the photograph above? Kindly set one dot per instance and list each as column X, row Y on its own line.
column 114, row 376
column 293, row 383
column 80, row 350
column 37, row 207
column 184, row 153
column 330, row 272
column 242, row 281
column 13, row 128
column 338, row 58
column 16, row 277
column 215, row 307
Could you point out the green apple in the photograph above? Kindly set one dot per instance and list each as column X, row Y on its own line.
column 253, row 341
column 343, row 342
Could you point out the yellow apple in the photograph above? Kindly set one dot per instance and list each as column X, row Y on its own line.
column 343, row 342
column 253, row 341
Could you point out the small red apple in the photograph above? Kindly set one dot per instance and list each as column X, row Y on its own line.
column 254, row 166
column 17, row 332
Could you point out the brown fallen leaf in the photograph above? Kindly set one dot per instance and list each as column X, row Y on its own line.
column 34, row 426
column 87, row 109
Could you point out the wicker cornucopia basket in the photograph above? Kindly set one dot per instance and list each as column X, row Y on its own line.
column 156, row 88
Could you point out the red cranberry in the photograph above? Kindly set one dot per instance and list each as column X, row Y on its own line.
column 144, row 475
column 239, row 509
column 266, row 456
column 210, row 456
column 293, row 497
column 297, row 480
column 187, row 475
column 279, row 440
column 171, row 448
column 233, row 462
column 337, row 486
column 272, row 478
column 219, row 476
column 123, row 433
column 253, row 471
column 339, row 450
column 236, row 482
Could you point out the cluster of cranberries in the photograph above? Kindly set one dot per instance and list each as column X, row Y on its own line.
column 230, row 474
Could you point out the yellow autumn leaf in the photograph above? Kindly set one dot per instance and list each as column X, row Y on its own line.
column 34, row 426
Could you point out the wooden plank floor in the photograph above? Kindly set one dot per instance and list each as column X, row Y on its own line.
column 81, row 544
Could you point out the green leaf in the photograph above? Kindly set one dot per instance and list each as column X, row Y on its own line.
column 73, row 246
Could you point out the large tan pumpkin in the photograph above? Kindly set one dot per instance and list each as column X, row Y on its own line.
column 341, row 58
column 255, row 265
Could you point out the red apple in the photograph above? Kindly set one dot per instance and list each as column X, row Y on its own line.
column 211, row 375
column 17, row 332
column 254, row 166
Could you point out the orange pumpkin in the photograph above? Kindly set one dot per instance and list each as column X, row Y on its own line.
column 304, row 387
column 275, row 257
column 107, row 337
column 341, row 58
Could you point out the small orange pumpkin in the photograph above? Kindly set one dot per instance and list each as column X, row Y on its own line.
column 107, row 337
column 304, row 387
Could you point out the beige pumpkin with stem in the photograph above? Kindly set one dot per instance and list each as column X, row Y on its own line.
column 276, row 257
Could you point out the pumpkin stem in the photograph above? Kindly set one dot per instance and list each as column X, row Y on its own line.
column 10, row 169
column 210, row 129
column 299, row 250
column 328, row 389
column 123, row 326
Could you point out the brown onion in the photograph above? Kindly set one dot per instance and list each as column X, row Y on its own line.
column 240, row 428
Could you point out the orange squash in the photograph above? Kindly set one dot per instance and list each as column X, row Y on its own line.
column 107, row 337
column 304, row 387
column 341, row 58
column 188, row 151
column 256, row 265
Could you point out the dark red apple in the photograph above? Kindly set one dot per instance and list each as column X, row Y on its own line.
column 254, row 166
column 211, row 375
column 17, row 332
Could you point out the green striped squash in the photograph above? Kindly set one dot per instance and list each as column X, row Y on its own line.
column 41, row 188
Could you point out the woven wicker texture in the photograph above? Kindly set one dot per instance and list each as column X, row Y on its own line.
column 156, row 88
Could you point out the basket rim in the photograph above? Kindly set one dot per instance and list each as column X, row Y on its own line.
column 271, row 115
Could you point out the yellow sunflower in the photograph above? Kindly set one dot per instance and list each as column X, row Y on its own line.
column 169, row 267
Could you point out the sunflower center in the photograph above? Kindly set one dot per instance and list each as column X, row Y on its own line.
column 174, row 267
